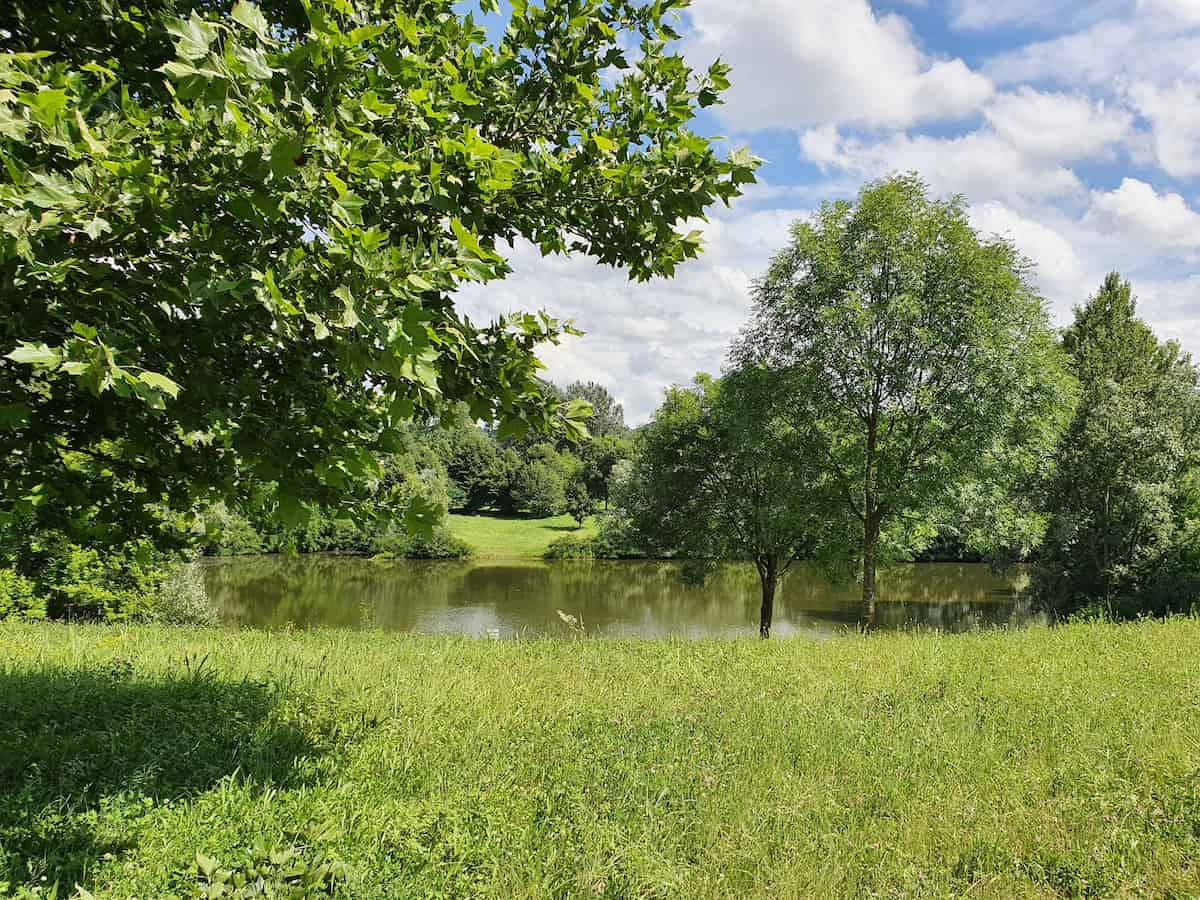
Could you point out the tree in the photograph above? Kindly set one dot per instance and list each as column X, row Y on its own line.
column 579, row 501
column 724, row 470
column 539, row 489
column 1123, row 497
column 230, row 234
column 607, row 418
column 924, row 350
column 599, row 457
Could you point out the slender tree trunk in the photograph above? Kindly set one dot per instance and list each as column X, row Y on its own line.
column 871, row 524
column 870, row 543
column 768, row 576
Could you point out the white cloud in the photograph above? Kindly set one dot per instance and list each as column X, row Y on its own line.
column 1117, row 96
column 1061, row 127
column 1060, row 273
column 1138, row 212
column 1181, row 11
column 805, row 62
column 1154, row 44
column 639, row 338
column 1174, row 115
column 981, row 164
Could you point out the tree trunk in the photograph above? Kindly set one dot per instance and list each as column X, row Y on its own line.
column 870, row 542
column 768, row 576
column 871, row 525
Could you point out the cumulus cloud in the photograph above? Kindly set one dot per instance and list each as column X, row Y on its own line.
column 803, row 62
column 1082, row 148
column 1138, row 212
column 1158, row 42
column 1057, row 126
column 1173, row 112
column 981, row 164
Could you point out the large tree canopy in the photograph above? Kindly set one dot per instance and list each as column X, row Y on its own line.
column 727, row 469
column 230, row 234
column 927, row 359
column 1125, row 525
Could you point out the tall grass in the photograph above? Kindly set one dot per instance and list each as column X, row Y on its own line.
column 1045, row 763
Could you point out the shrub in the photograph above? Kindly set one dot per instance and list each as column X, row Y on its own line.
column 616, row 539
column 229, row 533
column 540, row 490
column 399, row 544
column 19, row 598
column 570, row 546
column 108, row 585
column 182, row 598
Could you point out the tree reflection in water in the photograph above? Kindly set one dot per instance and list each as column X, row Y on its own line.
column 616, row 599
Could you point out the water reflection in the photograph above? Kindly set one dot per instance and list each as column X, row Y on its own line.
column 615, row 599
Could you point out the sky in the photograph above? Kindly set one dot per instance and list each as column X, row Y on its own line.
column 1071, row 128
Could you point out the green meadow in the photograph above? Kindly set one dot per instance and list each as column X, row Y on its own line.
column 158, row 762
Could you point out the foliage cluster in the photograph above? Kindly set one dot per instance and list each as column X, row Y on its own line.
column 1124, row 501
column 536, row 477
column 1047, row 762
column 899, row 392
column 899, row 373
column 230, row 233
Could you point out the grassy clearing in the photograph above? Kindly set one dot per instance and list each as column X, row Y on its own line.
column 1045, row 763
column 498, row 537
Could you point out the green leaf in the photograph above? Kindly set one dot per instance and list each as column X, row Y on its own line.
column 290, row 510
column 38, row 355
column 419, row 283
column 14, row 415
column 421, row 516
column 284, row 154
column 462, row 94
column 96, row 227
column 193, row 37
column 46, row 105
column 468, row 239
column 349, row 208
column 250, row 16
column 94, row 146
column 338, row 184
column 159, row 383
column 604, row 144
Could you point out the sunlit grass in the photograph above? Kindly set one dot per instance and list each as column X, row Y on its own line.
column 498, row 537
column 1051, row 762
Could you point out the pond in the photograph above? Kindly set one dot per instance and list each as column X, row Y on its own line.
column 500, row 598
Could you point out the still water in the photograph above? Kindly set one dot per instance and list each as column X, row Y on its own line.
column 611, row 599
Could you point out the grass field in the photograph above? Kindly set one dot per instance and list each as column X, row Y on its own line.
column 501, row 537
column 1047, row 763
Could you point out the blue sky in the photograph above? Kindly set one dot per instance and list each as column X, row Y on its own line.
column 1072, row 128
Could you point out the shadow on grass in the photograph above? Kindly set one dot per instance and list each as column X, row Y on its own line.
column 75, row 742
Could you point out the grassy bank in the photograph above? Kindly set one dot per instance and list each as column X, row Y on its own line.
column 501, row 537
column 1032, row 764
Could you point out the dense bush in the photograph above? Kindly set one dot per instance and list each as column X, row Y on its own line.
column 540, row 490
column 182, row 598
column 616, row 539
column 109, row 585
column 45, row 574
column 19, row 598
column 400, row 544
